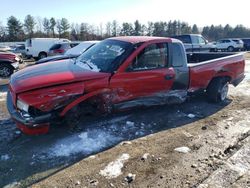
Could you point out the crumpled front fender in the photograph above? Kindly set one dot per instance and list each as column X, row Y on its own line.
column 50, row 98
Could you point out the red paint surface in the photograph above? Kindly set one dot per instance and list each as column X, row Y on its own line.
column 8, row 56
column 42, row 129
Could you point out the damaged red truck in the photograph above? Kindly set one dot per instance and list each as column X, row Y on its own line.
column 116, row 74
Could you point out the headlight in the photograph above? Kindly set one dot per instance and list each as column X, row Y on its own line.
column 22, row 105
column 16, row 58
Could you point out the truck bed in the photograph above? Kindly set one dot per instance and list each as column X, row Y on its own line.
column 203, row 67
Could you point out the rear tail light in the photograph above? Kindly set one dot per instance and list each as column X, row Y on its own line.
column 58, row 51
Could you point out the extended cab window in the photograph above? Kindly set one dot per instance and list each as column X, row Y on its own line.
column 202, row 40
column 178, row 55
column 151, row 57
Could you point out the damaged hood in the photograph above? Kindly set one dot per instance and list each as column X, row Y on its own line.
column 52, row 73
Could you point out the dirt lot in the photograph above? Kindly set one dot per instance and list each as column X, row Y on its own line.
column 196, row 144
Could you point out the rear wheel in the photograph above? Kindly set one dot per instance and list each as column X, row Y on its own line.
column 42, row 55
column 6, row 70
column 217, row 90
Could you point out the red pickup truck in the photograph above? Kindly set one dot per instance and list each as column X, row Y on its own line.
column 116, row 74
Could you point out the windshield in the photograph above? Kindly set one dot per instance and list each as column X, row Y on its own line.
column 103, row 56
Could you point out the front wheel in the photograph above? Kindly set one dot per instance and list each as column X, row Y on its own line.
column 6, row 70
column 217, row 90
column 230, row 49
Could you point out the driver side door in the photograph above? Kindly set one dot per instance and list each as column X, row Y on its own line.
column 146, row 77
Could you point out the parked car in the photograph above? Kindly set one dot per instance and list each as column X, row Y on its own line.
column 19, row 49
column 195, row 43
column 117, row 74
column 229, row 45
column 38, row 48
column 61, row 48
column 71, row 53
column 9, row 62
column 246, row 42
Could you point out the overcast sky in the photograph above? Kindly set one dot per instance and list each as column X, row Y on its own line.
column 201, row 12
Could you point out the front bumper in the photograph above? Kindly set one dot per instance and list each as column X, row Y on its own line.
column 15, row 65
column 28, row 124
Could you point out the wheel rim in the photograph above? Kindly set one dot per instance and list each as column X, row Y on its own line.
column 224, row 91
column 42, row 56
column 5, row 71
column 230, row 49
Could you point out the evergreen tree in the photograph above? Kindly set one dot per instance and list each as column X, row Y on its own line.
column 29, row 25
column 127, row 29
column 137, row 28
column 65, row 27
column 52, row 22
column 14, row 27
column 195, row 29
column 46, row 26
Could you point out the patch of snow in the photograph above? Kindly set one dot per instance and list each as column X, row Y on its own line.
column 145, row 156
column 130, row 123
column 12, row 185
column 3, row 96
column 86, row 142
column 5, row 157
column 92, row 157
column 183, row 149
column 191, row 115
column 114, row 168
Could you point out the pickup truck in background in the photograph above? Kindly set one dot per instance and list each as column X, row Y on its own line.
column 195, row 43
column 117, row 74
column 9, row 62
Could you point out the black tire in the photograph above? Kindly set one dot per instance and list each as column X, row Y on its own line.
column 230, row 49
column 217, row 90
column 6, row 70
column 42, row 55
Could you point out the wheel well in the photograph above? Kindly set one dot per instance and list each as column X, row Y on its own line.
column 42, row 53
column 7, row 63
column 226, row 78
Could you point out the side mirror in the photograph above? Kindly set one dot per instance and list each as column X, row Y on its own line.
column 129, row 69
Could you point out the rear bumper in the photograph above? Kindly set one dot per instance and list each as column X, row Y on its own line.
column 26, row 122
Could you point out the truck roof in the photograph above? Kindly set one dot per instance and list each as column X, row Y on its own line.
column 137, row 39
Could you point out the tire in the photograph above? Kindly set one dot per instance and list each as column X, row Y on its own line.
column 230, row 49
column 42, row 55
column 217, row 90
column 6, row 70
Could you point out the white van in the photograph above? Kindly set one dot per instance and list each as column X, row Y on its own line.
column 38, row 47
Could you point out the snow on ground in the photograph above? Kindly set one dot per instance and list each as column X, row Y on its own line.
column 3, row 96
column 114, row 168
column 92, row 140
column 5, row 157
column 85, row 142
column 182, row 149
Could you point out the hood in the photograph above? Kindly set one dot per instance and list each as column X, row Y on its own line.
column 55, row 58
column 7, row 55
column 51, row 73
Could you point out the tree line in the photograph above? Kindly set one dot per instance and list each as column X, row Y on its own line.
column 15, row 30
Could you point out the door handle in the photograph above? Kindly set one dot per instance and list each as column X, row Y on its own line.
column 169, row 77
